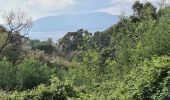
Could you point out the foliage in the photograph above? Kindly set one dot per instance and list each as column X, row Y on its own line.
column 26, row 75
column 7, row 75
column 135, row 41
column 101, row 39
column 128, row 61
column 45, row 46
column 31, row 73
column 57, row 90
column 73, row 40
column 149, row 81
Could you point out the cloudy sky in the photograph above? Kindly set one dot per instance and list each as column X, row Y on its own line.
column 42, row 8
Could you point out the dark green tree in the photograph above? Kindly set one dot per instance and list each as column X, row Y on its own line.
column 73, row 40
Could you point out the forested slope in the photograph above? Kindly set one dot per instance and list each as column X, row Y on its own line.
column 128, row 61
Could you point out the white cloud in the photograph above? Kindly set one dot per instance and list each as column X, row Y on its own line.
column 115, row 10
column 37, row 8
column 124, row 6
column 49, row 4
column 42, row 8
column 132, row 1
column 155, row 2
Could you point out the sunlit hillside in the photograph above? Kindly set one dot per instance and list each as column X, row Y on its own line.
column 108, row 50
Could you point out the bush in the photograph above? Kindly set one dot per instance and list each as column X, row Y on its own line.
column 56, row 91
column 32, row 73
column 7, row 75
column 150, row 81
column 26, row 75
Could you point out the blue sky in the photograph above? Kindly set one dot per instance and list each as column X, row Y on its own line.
column 42, row 8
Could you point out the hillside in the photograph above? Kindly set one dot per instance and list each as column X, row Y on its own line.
column 90, row 21
column 128, row 61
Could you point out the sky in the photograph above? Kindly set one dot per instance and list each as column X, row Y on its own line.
column 41, row 8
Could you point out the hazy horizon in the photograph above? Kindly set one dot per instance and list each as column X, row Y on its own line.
column 41, row 9
column 44, row 8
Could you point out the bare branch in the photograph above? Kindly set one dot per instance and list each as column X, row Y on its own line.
column 16, row 22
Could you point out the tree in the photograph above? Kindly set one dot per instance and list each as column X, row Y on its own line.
column 101, row 39
column 162, row 3
column 46, row 46
column 33, row 43
column 137, row 7
column 148, row 11
column 15, row 22
column 143, row 11
column 13, row 50
column 73, row 40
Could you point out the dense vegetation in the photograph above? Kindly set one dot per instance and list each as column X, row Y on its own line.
column 128, row 61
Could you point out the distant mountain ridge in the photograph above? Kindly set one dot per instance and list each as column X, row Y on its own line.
column 92, row 21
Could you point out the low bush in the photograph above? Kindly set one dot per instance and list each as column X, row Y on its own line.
column 25, row 75
column 31, row 73
column 57, row 90
column 148, row 82
column 7, row 75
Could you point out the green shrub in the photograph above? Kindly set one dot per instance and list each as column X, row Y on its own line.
column 56, row 91
column 150, row 81
column 7, row 75
column 31, row 73
column 26, row 75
